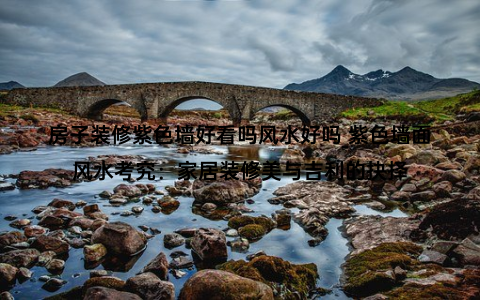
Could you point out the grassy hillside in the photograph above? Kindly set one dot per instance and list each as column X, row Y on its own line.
column 430, row 111
column 453, row 105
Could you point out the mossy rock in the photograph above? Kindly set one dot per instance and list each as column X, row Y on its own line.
column 367, row 272
column 281, row 275
column 252, row 232
column 436, row 291
column 241, row 221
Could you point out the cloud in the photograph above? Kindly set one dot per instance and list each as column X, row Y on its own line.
column 260, row 42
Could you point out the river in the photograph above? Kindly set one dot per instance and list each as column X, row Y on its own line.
column 290, row 245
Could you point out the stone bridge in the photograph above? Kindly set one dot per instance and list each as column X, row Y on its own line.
column 157, row 100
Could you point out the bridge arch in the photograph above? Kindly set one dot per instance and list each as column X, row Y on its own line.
column 229, row 105
column 305, row 119
column 96, row 109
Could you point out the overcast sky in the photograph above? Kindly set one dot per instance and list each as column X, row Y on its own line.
column 262, row 43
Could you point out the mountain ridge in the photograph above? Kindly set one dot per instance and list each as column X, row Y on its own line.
column 80, row 79
column 6, row 86
column 405, row 84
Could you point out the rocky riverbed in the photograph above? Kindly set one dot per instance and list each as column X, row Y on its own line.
column 417, row 237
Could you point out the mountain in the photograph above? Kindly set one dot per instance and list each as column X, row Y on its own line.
column 80, row 79
column 6, row 86
column 406, row 84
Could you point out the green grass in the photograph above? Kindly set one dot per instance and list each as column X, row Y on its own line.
column 452, row 105
column 390, row 108
column 438, row 110
column 21, row 111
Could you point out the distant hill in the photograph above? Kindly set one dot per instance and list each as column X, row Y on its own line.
column 193, row 109
column 6, row 86
column 80, row 79
column 406, row 84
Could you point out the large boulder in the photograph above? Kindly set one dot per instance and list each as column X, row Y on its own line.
column 210, row 244
column 49, row 243
column 453, row 220
column 366, row 232
column 46, row 178
column 150, row 287
column 285, row 278
column 120, row 238
column 221, row 285
column 12, row 237
column 103, row 293
column 223, row 191
column 20, row 258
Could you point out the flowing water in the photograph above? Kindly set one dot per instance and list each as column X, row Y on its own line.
column 289, row 244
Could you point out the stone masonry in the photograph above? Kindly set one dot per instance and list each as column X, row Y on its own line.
column 157, row 100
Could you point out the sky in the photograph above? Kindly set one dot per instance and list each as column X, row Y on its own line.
column 251, row 42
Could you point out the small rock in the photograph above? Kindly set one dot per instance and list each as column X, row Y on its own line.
column 20, row 223
column 181, row 262
column 99, row 273
column 231, row 233
column 53, row 284
column 430, row 256
column 24, row 273
column 187, row 232
column 209, row 207
column 178, row 273
column 158, row 266
column 45, row 257
column 34, row 231
column 173, row 240
column 80, row 203
column 144, row 227
column 55, row 266
column 155, row 231
column 94, row 253
column 137, row 209
column 453, row 176
column 105, row 194
column 239, row 244
column 10, row 218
